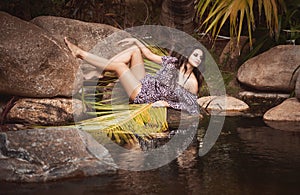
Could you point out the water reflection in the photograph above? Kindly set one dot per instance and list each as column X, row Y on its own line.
column 284, row 125
column 248, row 158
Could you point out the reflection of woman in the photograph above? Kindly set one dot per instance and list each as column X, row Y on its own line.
column 175, row 85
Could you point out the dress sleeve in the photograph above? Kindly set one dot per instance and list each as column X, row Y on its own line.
column 186, row 101
column 168, row 74
column 169, row 61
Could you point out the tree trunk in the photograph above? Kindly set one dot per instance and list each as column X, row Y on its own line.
column 178, row 14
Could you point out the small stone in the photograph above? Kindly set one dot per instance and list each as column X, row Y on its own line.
column 222, row 103
column 289, row 110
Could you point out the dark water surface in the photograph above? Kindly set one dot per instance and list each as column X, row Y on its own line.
column 248, row 158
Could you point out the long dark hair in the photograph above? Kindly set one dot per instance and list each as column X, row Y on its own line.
column 183, row 58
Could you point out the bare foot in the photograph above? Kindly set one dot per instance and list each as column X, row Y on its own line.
column 76, row 51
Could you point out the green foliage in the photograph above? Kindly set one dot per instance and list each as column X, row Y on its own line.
column 288, row 31
column 290, row 21
column 59, row 2
column 213, row 14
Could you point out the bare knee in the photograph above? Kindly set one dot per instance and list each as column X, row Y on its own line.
column 134, row 49
column 126, row 55
column 120, row 68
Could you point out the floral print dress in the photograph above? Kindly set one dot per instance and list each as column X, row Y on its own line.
column 164, row 86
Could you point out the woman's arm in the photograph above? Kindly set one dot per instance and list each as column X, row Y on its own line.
column 160, row 103
column 146, row 52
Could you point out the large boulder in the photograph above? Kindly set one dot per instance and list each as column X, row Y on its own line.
column 46, row 111
column 99, row 39
column 33, row 63
column 38, row 155
column 86, row 34
column 271, row 70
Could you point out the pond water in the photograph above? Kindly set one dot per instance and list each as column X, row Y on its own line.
column 248, row 158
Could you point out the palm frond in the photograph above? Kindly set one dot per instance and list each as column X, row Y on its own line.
column 212, row 14
column 128, row 124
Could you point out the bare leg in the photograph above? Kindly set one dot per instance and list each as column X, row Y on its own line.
column 131, row 84
column 133, row 57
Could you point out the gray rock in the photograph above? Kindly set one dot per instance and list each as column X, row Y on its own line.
column 271, row 70
column 54, row 111
column 99, row 39
column 86, row 34
column 38, row 155
column 33, row 63
column 289, row 110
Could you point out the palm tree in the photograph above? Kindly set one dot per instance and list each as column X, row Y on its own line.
column 178, row 14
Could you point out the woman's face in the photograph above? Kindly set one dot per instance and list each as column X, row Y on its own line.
column 196, row 57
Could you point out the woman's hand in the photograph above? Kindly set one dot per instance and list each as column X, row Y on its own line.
column 128, row 41
column 160, row 103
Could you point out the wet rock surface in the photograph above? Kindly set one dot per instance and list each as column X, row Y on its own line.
column 33, row 63
column 38, row 155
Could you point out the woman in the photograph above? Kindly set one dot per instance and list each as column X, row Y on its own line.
column 175, row 85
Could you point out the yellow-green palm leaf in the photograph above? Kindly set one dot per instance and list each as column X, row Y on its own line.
column 138, row 120
column 214, row 13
